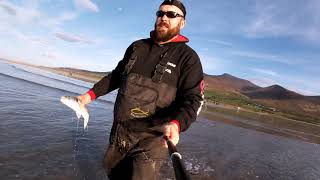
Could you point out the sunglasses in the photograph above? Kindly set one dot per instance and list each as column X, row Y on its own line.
column 169, row 14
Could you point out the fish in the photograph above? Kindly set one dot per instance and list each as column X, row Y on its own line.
column 74, row 104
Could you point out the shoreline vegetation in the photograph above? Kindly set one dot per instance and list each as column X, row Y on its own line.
column 88, row 76
column 230, row 109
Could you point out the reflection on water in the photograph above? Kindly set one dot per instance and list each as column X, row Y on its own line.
column 238, row 153
column 41, row 139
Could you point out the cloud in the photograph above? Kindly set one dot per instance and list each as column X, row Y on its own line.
column 72, row 38
column 8, row 8
column 224, row 43
column 87, row 4
column 28, row 14
column 286, row 58
column 305, row 86
column 264, row 56
column 27, row 38
column 305, row 91
column 67, row 16
column 60, row 19
column 265, row 71
column 285, row 18
column 49, row 55
column 211, row 64
column 253, row 19
column 263, row 81
column 19, row 15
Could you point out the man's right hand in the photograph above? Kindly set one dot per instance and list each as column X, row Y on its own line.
column 84, row 99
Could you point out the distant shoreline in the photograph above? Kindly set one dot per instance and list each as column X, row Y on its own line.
column 84, row 76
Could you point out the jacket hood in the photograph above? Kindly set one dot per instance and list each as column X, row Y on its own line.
column 178, row 38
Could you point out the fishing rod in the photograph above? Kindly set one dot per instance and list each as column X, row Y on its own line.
column 176, row 158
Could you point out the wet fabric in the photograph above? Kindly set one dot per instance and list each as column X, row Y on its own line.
column 141, row 162
column 157, row 84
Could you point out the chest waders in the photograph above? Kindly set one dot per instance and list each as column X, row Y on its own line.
column 138, row 97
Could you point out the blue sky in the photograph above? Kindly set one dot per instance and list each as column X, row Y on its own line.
column 265, row 41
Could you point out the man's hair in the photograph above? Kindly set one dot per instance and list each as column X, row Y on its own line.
column 176, row 3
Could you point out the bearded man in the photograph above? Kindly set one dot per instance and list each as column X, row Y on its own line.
column 160, row 81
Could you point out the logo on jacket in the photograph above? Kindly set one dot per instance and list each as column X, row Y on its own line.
column 172, row 65
column 138, row 113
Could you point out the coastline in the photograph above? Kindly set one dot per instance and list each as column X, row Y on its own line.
column 83, row 76
column 262, row 122
column 227, row 114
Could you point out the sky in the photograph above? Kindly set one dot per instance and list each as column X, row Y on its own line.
column 264, row 41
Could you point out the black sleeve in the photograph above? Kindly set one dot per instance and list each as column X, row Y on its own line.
column 190, row 92
column 113, row 80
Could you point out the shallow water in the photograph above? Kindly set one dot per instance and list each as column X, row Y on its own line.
column 41, row 139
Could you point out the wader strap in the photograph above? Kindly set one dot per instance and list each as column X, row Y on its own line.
column 133, row 58
column 163, row 64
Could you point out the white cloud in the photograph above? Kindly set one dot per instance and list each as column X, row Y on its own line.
column 224, row 43
column 87, row 4
column 262, row 81
column 295, row 19
column 205, row 49
column 28, row 15
column 264, row 56
column 306, row 86
column 211, row 64
column 72, row 38
column 8, row 8
column 265, row 71
column 26, row 38
column 55, row 22
column 67, row 16
column 285, row 18
column 49, row 55
column 19, row 15
column 295, row 83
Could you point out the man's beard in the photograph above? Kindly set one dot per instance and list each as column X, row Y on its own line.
column 163, row 36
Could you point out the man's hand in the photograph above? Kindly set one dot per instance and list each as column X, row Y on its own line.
column 84, row 100
column 172, row 131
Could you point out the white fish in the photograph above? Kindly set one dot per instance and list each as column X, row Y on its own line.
column 74, row 104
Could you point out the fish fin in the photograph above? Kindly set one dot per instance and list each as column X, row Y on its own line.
column 85, row 115
column 73, row 103
column 78, row 114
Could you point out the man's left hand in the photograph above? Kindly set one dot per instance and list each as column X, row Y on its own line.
column 172, row 131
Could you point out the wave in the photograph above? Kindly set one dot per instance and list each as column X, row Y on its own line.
column 50, row 87
column 51, row 78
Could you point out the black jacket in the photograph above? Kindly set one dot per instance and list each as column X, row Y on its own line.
column 184, row 72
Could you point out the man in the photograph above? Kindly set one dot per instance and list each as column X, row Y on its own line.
column 160, row 81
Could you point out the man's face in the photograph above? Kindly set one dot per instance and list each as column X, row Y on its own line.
column 165, row 27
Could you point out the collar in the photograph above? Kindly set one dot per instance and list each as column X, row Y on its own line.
column 178, row 38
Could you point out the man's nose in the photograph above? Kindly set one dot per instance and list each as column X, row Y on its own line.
column 164, row 17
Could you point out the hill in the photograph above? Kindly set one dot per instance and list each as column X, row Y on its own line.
column 228, row 89
column 227, row 82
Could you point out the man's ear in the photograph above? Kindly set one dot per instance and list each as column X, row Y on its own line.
column 182, row 23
